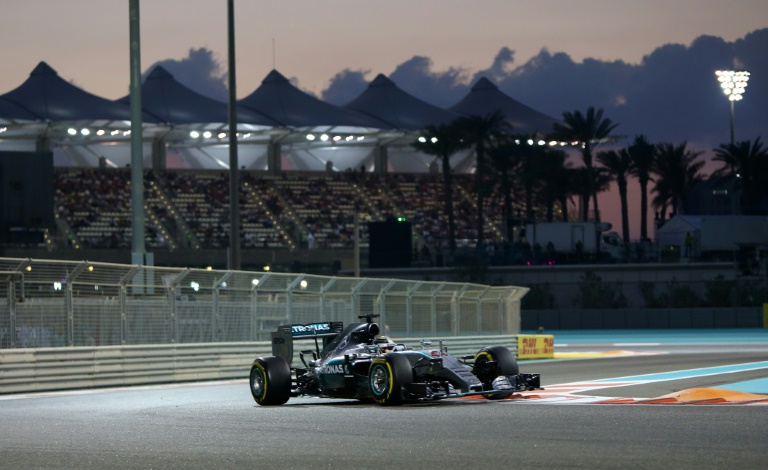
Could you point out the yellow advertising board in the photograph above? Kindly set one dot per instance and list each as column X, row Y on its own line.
column 765, row 315
column 535, row 346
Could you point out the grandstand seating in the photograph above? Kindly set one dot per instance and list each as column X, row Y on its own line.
column 190, row 208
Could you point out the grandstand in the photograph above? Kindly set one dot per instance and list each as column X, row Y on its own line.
column 188, row 210
column 307, row 167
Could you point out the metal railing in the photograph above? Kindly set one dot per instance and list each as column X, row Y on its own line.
column 50, row 303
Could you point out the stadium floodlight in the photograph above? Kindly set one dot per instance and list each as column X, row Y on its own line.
column 734, row 84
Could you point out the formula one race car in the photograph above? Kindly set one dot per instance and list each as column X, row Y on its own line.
column 358, row 362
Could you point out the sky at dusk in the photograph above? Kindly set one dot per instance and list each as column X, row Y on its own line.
column 86, row 41
column 649, row 63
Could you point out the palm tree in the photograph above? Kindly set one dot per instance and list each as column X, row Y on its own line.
column 555, row 181
column 589, row 130
column 443, row 141
column 507, row 158
column 481, row 132
column 747, row 161
column 677, row 171
column 619, row 164
column 643, row 155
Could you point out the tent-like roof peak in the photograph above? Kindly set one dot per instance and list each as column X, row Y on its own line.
column 278, row 99
column 485, row 97
column 484, row 84
column 159, row 72
column 43, row 69
column 385, row 101
column 47, row 95
column 275, row 77
column 381, row 80
column 170, row 101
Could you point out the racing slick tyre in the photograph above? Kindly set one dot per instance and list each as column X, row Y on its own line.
column 270, row 381
column 506, row 365
column 387, row 377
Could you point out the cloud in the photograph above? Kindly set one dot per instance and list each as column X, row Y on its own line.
column 199, row 71
column 444, row 89
column 346, row 86
column 502, row 66
column 671, row 95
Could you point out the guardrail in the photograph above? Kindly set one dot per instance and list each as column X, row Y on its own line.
column 68, row 368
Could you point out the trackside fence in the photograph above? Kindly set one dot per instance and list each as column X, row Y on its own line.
column 55, row 304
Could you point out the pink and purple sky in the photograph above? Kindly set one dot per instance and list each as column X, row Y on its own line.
column 86, row 41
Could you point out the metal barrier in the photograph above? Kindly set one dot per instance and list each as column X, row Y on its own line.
column 66, row 368
column 49, row 303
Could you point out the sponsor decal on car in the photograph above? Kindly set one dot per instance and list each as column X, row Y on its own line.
column 334, row 369
column 310, row 329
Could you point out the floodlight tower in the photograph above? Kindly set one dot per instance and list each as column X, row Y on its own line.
column 734, row 85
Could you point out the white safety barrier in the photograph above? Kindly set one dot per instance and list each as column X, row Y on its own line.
column 67, row 368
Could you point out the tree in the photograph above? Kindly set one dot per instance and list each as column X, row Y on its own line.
column 508, row 158
column 588, row 130
column 556, row 182
column 583, row 184
column 677, row 170
column 643, row 155
column 481, row 132
column 443, row 141
column 619, row 164
column 748, row 162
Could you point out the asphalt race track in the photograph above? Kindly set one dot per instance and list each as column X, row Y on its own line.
column 647, row 419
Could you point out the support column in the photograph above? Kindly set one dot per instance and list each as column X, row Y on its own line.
column 43, row 144
column 137, row 155
column 159, row 162
column 381, row 159
column 274, row 158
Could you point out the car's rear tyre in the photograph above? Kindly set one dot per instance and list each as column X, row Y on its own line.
column 270, row 381
column 506, row 365
column 387, row 377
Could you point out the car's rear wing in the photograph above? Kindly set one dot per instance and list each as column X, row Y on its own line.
column 283, row 337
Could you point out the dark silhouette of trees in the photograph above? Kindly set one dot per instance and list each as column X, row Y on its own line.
column 643, row 155
column 588, row 129
column 482, row 132
column 556, row 180
column 507, row 159
column 443, row 142
column 618, row 164
column 748, row 162
column 677, row 170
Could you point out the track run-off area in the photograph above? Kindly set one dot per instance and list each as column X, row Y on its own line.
column 688, row 366
column 587, row 416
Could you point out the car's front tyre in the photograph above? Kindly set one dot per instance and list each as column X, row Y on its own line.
column 387, row 377
column 493, row 362
column 270, row 380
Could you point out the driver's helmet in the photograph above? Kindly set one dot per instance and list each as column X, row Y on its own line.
column 384, row 343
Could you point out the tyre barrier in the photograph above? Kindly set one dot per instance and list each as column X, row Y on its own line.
column 69, row 368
